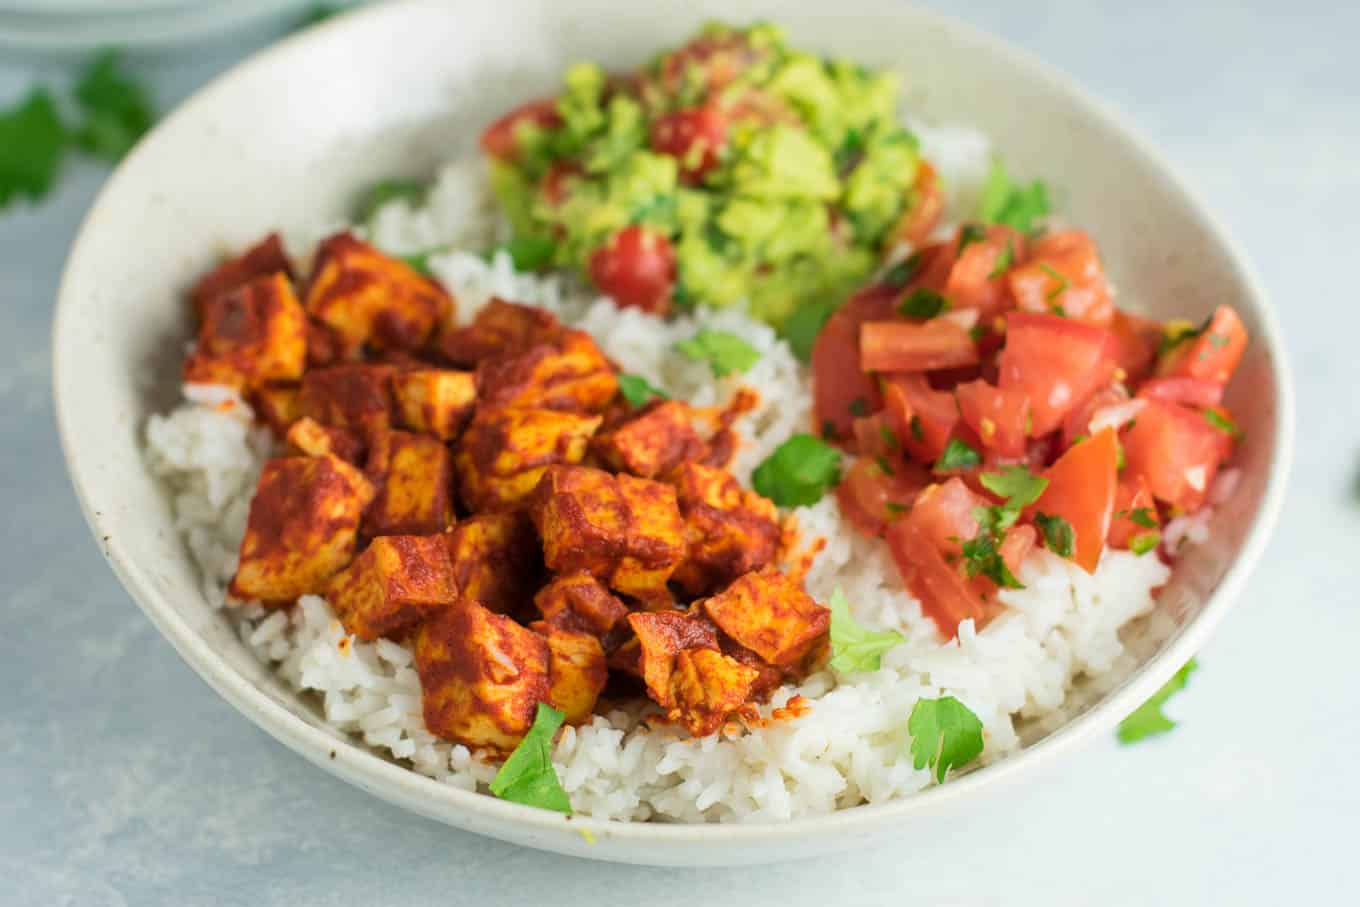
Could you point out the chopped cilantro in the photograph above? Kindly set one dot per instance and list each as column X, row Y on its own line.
column 922, row 303
column 829, row 429
column 886, row 435
column 1144, row 542
column 854, row 647
column 917, row 431
column 969, row 234
column 899, row 274
column 116, row 109
column 945, row 734
column 1059, row 289
column 799, row 471
column 801, row 328
column 1004, row 202
column 1176, row 332
column 637, row 390
column 957, row 455
column 32, row 141
column 528, row 253
column 982, row 555
column 1016, row 484
column 1222, row 423
column 859, row 407
column 895, row 508
column 724, row 352
column 884, row 466
column 1058, row 534
column 1003, row 261
column 384, row 191
column 528, row 776
column 1144, row 517
column 1148, row 720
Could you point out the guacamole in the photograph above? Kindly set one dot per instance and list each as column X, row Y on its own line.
column 732, row 170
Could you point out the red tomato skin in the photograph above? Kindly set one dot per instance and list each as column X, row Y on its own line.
column 1057, row 362
column 922, row 418
column 944, row 512
column 498, row 140
column 1135, row 344
column 919, row 218
column 945, row 595
column 1081, row 489
column 636, row 268
column 1063, row 273
column 837, row 381
column 871, row 498
column 1197, row 392
column 971, row 284
column 695, row 137
column 1213, row 355
column 1133, row 494
column 1016, row 546
column 1078, row 421
column 554, row 185
column 904, row 346
column 1177, row 451
column 998, row 417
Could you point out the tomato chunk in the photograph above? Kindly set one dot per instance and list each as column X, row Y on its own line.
column 1213, row 355
column 999, row 417
column 554, row 185
column 1198, row 392
column 904, row 346
column 1078, row 422
column 1134, row 509
column 944, row 512
column 1081, row 490
column 500, row 140
column 945, row 595
column 695, row 137
column 841, row 391
column 978, row 278
column 1017, row 545
column 1058, row 363
column 1063, row 274
column 872, row 498
column 1177, row 450
column 1135, row 344
column 636, row 268
column 923, row 418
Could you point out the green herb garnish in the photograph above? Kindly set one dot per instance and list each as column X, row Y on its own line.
column 1003, row 262
column 724, row 351
column 117, row 111
column 922, row 303
column 528, row 776
column 637, row 390
column 859, row 407
column 32, row 142
column 527, row 253
column 1144, row 542
column 1148, row 720
column 390, row 190
column 886, row 435
column 917, row 431
column 799, row 471
column 982, row 553
column 901, row 273
column 1058, row 533
column 944, row 734
column 1222, row 423
column 1057, row 291
column 1144, row 517
column 1004, row 202
column 1016, row 484
column 854, row 647
column 801, row 328
column 969, row 234
column 957, row 455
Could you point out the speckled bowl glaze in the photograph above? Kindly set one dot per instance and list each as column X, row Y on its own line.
column 286, row 138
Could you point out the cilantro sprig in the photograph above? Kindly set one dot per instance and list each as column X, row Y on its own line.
column 528, row 776
column 945, row 734
column 853, row 646
column 982, row 553
column 637, row 390
column 1148, row 720
column 116, row 109
column 1005, row 202
column 922, row 303
column 725, row 352
column 1058, row 533
column 799, row 472
column 378, row 195
column 957, row 455
column 32, row 144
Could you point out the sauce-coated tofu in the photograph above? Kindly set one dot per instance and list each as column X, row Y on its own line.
column 706, row 688
column 354, row 396
column 500, row 329
column 650, row 442
column 371, row 299
column 730, row 530
column 578, row 601
column 255, row 334
column 655, row 542
column 769, row 614
column 260, row 260
column 496, row 560
column 576, row 670
column 302, row 527
column 504, row 452
column 310, row 438
column 413, row 475
column 436, row 401
column 661, row 635
column 482, row 675
column 279, row 405
column 395, row 583
column 568, row 373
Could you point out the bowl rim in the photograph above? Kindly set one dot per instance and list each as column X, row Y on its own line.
column 350, row 760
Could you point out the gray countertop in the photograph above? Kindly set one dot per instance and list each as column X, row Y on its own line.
column 125, row 780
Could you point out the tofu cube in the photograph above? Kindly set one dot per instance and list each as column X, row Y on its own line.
column 500, row 329
column 578, row 601
column 730, row 531
column 650, row 442
column 370, row 299
column 435, row 401
column 482, row 675
column 769, row 614
column 302, row 527
column 260, row 260
column 706, row 688
column 413, row 475
column 504, row 452
column 577, row 671
column 354, row 396
column 655, row 541
column 661, row 635
column 279, row 405
column 253, row 335
column 312, row 439
column 396, row 582
column 568, row 373
column 496, row 560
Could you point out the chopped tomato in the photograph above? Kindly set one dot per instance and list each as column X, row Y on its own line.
column 1134, row 509
column 978, row 279
column 923, row 212
column 636, row 268
column 874, row 436
column 1063, row 275
column 1177, row 450
column 945, row 595
column 695, row 137
column 1058, row 363
column 501, row 138
column 1135, row 344
column 904, row 346
column 841, row 391
column 1017, row 544
column 720, row 58
column 933, row 264
column 999, row 417
column 1213, row 354
column 1081, row 490
column 872, row 498
column 554, row 185
column 923, row 419
column 1078, row 422
column 944, row 512
column 1197, row 392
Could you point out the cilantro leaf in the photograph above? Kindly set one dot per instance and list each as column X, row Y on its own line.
column 859, row 407
column 1016, row 484
column 384, row 191
column 922, row 303
column 982, row 554
column 799, row 471
column 917, row 431
column 528, row 776
column 1144, row 542
column 527, row 253
column 853, row 647
column 1056, row 276
column 801, row 328
column 637, row 390
column 1148, row 719
column 117, row 110
column 1143, row 517
column 1003, row 261
column 1176, row 332
column 1004, row 202
column 899, row 274
column 944, row 734
column 32, row 142
column 724, row 351
column 1222, row 423
column 957, row 455
column 1058, row 534
column 969, row 234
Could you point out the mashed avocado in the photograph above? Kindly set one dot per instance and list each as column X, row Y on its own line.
column 762, row 175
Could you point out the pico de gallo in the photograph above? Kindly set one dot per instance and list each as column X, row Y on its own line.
column 998, row 399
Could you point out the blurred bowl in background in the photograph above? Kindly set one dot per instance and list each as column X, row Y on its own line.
column 71, row 25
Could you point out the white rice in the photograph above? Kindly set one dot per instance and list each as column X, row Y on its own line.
column 851, row 747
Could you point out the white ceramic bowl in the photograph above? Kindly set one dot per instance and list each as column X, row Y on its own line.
column 287, row 137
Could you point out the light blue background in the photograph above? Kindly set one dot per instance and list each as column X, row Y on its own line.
column 125, row 780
